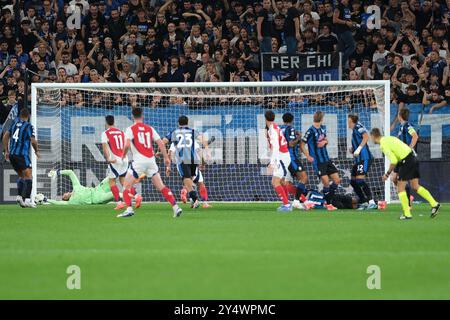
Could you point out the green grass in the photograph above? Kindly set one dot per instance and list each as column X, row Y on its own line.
column 231, row 251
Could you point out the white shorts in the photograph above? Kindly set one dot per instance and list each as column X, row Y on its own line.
column 281, row 167
column 149, row 168
column 116, row 170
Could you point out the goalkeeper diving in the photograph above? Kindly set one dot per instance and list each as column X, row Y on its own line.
column 80, row 194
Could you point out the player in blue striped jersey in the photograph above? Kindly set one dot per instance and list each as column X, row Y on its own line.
column 185, row 152
column 362, row 161
column 316, row 140
column 296, row 169
column 16, row 145
column 408, row 135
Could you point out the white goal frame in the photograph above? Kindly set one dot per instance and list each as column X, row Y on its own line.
column 147, row 85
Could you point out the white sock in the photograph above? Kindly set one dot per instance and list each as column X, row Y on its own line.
column 371, row 201
column 130, row 209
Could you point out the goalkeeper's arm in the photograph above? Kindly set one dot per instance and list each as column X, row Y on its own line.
column 58, row 202
column 72, row 176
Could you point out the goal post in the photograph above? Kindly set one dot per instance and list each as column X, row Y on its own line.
column 69, row 120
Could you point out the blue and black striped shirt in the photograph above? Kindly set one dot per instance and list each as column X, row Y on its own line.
column 289, row 134
column 312, row 137
column 20, row 134
column 357, row 136
column 405, row 132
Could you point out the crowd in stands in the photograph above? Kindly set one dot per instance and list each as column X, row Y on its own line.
column 220, row 40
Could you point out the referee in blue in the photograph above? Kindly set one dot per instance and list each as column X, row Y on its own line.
column 16, row 144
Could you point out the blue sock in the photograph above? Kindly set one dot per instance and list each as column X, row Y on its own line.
column 20, row 186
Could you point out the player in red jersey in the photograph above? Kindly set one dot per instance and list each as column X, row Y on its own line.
column 139, row 139
column 113, row 142
column 280, row 159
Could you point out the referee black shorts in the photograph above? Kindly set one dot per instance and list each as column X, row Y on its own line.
column 408, row 168
column 19, row 163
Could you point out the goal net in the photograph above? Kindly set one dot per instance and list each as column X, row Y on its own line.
column 69, row 119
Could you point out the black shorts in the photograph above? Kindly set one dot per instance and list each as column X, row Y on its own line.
column 187, row 171
column 326, row 168
column 295, row 166
column 408, row 168
column 342, row 201
column 361, row 168
column 19, row 163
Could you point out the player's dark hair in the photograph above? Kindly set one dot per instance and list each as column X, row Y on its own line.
column 24, row 113
column 404, row 113
column 288, row 117
column 269, row 115
column 354, row 118
column 318, row 116
column 375, row 132
column 183, row 121
column 137, row 113
column 109, row 120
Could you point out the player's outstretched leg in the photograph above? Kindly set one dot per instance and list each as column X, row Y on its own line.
column 20, row 186
column 424, row 193
column 357, row 188
column 27, row 187
column 168, row 195
column 183, row 195
column 203, row 194
column 127, row 185
column 403, row 200
column 281, row 193
column 116, row 194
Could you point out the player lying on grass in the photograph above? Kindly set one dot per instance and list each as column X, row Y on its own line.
column 80, row 194
column 362, row 160
column 316, row 200
column 408, row 135
column 16, row 145
column 139, row 139
column 296, row 168
column 403, row 157
column 279, row 159
column 113, row 140
column 186, row 150
column 316, row 139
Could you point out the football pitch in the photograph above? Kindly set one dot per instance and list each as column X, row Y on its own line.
column 229, row 251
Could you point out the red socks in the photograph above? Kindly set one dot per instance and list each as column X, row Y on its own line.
column 126, row 197
column 167, row 193
column 115, row 192
column 203, row 193
column 133, row 191
column 282, row 194
column 290, row 189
